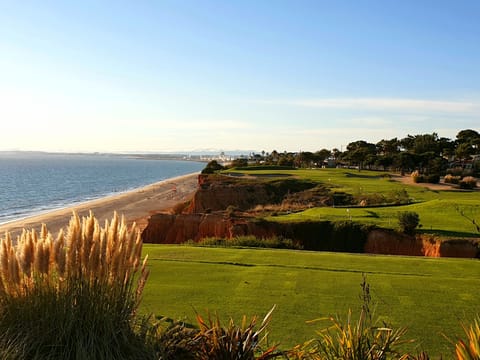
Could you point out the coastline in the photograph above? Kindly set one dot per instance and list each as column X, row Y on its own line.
column 136, row 205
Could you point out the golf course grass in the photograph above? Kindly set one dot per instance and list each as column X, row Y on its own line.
column 429, row 296
column 439, row 210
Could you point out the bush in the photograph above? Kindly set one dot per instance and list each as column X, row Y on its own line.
column 74, row 297
column 408, row 221
column 239, row 163
column 417, row 178
column 469, row 349
column 421, row 178
column 341, row 198
column 468, row 182
column 230, row 211
column 348, row 339
column 432, row 178
column 451, row 179
column 175, row 341
column 217, row 342
column 274, row 242
column 212, row 167
column 456, row 171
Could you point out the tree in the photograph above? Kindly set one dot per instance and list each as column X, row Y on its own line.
column 358, row 152
column 408, row 222
column 404, row 161
column 426, row 143
column 388, row 147
column 464, row 151
column 336, row 153
column 321, row 156
column 304, row 159
column 211, row 167
column 447, row 147
column 469, row 136
column 240, row 162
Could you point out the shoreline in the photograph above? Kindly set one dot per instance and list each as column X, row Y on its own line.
column 137, row 205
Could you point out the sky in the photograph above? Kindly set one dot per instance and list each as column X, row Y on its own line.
column 185, row 75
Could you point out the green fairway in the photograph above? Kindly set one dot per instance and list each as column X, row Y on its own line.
column 438, row 210
column 429, row 296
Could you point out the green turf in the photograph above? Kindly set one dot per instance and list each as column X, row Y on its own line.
column 429, row 296
column 438, row 210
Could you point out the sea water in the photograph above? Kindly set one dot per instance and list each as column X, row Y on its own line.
column 32, row 183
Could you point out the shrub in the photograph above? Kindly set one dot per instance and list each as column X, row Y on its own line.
column 417, row 178
column 432, row 178
column 408, row 221
column 238, row 163
column 218, row 342
column 400, row 197
column 176, row 341
column 468, row 182
column 274, row 242
column 394, row 197
column 451, row 179
column 456, row 171
column 212, row 241
column 348, row 339
column 341, row 198
column 212, row 167
column 230, row 211
column 74, row 297
column 469, row 349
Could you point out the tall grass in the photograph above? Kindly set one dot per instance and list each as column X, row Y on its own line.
column 469, row 349
column 215, row 341
column 75, row 296
column 363, row 339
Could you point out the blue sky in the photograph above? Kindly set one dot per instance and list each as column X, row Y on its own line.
column 258, row 75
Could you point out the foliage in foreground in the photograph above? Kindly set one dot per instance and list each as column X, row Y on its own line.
column 469, row 349
column 215, row 341
column 73, row 297
column 348, row 339
column 76, row 297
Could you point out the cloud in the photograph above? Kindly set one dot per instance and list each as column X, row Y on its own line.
column 387, row 104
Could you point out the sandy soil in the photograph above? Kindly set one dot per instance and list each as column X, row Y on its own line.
column 136, row 205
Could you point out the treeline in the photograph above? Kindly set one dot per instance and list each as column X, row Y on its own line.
column 428, row 154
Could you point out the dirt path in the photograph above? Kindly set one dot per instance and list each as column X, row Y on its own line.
column 407, row 180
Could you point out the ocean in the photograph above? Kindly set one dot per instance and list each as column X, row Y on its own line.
column 32, row 183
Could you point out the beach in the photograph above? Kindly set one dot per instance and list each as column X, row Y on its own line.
column 136, row 205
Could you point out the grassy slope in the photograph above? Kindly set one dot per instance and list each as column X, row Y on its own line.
column 429, row 296
column 437, row 209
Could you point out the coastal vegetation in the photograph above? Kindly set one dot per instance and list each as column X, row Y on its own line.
column 428, row 154
column 74, row 296
column 77, row 296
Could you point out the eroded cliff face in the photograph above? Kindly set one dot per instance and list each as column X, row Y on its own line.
column 388, row 242
column 176, row 229
column 217, row 198
column 458, row 248
column 206, row 217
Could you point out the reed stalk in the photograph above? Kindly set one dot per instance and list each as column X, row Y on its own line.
column 74, row 296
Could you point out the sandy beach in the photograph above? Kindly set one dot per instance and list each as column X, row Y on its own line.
column 136, row 205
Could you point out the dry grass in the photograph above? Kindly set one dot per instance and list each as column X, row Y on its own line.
column 74, row 294
column 109, row 255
